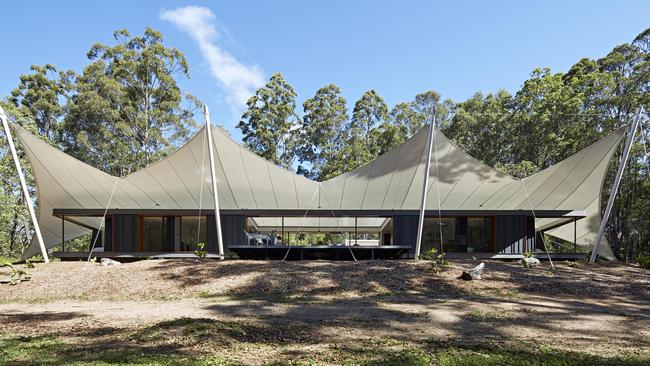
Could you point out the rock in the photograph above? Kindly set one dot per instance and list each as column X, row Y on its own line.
column 110, row 262
column 473, row 274
column 530, row 262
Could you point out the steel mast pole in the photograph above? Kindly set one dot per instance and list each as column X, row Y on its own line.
column 619, row 174
column 425, row 184
column 21, row 176
column 213, row 174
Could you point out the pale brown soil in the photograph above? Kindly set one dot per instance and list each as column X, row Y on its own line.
column 311, row 306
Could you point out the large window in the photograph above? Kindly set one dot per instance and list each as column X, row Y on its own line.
column 435, row 230
column 479, row 234
column 180, row 233
column 460, row 235
column 153, row 234
column 193, row 230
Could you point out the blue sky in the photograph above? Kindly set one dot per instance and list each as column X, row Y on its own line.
column 399, row 48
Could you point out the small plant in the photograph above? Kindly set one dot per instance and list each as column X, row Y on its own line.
column 528, row 261
column 29, row 264
column 438, row 261
column 199, row 251
column 429, row 254
column 16, row 276
column 644, row 261
column 571, row 264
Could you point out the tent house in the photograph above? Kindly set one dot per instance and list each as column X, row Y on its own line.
column 167, row 208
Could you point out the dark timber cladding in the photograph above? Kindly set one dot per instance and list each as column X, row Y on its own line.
column 233, row 229
column 126, row 232
column 405, row 230
column 509, row 233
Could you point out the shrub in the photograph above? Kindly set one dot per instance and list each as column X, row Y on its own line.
column 16, row 276
column 438, row 261
column 429, row 254
column 644, row 261
column 199, row 251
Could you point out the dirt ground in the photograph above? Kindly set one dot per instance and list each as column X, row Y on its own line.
column 258, row 312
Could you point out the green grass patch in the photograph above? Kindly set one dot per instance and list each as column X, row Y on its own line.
column 490, row 354
column 478, row 315
column 48, row 350
column 199, row 342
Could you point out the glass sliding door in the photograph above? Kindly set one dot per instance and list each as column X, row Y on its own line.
column 153, row 234
column 480, row 235
column 193, row 230
column 435, row 230
column 458, row 234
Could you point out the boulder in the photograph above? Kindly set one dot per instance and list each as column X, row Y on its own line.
column 474, row 273
column 110, row 262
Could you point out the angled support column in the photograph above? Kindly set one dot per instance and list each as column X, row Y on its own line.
column 21, row 176
column 213, row 174
column 617, row 181
column 425, row 186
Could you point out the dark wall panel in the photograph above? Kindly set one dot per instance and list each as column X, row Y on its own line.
column 108, row 234
column 530, row 233
column 405, row 230
column 232, row 230
column 126, row 233
column 168, row 227
column 510, row 234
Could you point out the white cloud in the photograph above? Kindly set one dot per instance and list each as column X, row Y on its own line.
column 239, row 81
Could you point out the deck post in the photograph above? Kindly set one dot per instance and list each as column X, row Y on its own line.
column 617, row 180
column 425, row 188
column 213, row 175
column 21, row 176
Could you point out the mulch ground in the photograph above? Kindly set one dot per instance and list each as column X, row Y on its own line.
column 175, row 279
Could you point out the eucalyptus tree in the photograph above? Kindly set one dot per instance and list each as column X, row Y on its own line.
column 126, row 109
column 481, row 127
column 14, row 227
column 43, row 94
column 369, row 112
column 268, row 125
column 321, row 139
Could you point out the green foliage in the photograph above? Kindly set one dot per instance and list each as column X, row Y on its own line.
column 521, row 169
column 143, row 347
column 40, row 93
column 126, row 110
column 644, row 261
column 429, row 254
column 490, row 354
column 525, row 262
column 360, row 134
column 16, row 275
column 199, row 251
column 268, row 121
column 438, row 261
column 320, row 138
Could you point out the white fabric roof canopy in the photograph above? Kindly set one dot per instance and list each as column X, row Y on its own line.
column 247, row 181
